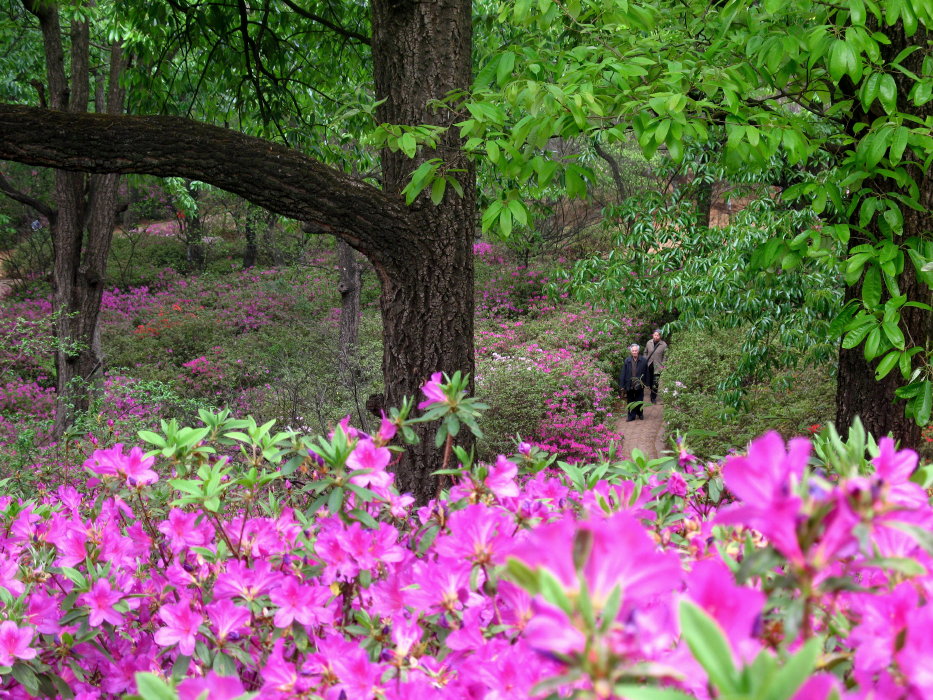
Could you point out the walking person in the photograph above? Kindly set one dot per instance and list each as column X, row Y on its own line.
column 633, row 379
column 654, row 354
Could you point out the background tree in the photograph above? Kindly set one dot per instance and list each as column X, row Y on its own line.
column 849, row 85
column 422, row 253
column 78, row 78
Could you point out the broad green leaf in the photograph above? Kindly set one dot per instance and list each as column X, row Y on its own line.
column 894, row 333
column 887, row 93
column 151, row 687
column 794, row 673
column 871, row 287
column 888, row 362
column 505, row 67
column 437, row 190
column 709, row 646
column 925, row 406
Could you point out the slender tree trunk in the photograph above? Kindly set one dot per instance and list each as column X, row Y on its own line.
column 85, row 204
column 349, row 286
column 421, row 53
column 704, row 198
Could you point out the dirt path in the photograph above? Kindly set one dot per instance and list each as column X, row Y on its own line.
column 647, row 435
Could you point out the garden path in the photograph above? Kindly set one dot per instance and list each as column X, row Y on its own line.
column 647, row 435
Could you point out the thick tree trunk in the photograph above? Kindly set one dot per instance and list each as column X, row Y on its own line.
column 858, row 394
column 421, row 53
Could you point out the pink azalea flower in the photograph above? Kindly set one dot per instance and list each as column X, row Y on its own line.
column 501, row 479
column 359, row 678
column 736, row 608
column 620, row 554
column 216, row 687
column 246, row 582
column 433, row 393
column 914, row 657
column 135, row 467
column 100, row 601
column 9, row 569
column 478, row 534
column 387, row 430
column 374, row 459
column 181, row 626
column 305, row 603
column 43, row 612
column 227, row 618
column 895, row 469
column 277, row 673
column 14, row 643
column 181, row 531
column 549, row 630
column 764, row 482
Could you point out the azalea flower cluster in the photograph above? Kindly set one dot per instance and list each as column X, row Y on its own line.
column 295, row 569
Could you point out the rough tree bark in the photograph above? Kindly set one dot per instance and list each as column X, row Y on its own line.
column 422, row 254
column 83, row 220
column 427, row 289
column 858, row 394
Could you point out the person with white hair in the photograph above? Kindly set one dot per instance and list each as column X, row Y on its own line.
column 633, row 380
column 654, row 354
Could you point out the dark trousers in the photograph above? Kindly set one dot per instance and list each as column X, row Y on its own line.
column 653, row 380
column 635, row 395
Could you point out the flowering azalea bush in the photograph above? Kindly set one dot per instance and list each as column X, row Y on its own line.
column 231, row 559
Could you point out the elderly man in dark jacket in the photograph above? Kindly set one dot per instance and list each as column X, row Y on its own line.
column 633, row 380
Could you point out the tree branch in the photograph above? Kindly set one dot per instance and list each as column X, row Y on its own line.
column 7, row 188
column 349, row 33
column 269, row 175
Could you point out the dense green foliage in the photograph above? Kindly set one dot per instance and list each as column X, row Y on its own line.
column 790, row 401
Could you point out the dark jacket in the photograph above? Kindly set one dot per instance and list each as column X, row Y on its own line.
column 639, row 370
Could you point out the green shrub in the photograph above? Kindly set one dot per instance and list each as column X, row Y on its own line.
column 698, row 361
column 517, row 394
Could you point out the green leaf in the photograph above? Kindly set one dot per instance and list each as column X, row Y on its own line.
column 437, row 190
column 505, row 67
column 888, row 363
column 27, row 678
column 894, row 333
column 795, row 672
column 643, row 692
column 335, row 500
column 898, row 144
column 871, row 287
column 709, row 646
column 872, row 347
column 925, row 406
column 408, row 145
column 887, row 93
column 151, row 687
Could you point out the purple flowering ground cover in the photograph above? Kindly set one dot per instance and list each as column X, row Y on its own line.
column 239, row 558
column 293, row 568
